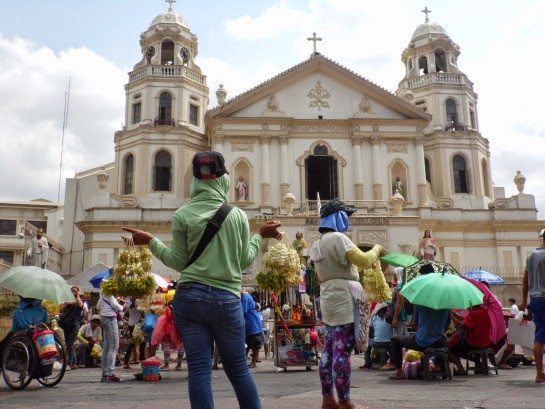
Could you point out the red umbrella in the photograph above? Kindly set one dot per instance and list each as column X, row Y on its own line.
column 493, row 308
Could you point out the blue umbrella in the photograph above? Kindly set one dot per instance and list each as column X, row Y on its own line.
column 96, row 280
column 484, row 276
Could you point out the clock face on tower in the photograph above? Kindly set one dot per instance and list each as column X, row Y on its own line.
column 184, row 53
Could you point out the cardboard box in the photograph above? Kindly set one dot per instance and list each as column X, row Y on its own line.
column 522, row 333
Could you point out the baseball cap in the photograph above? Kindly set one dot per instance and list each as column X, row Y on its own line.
column 209, row 165
column 334, row 206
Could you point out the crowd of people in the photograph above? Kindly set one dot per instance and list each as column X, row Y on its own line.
column 211, row 320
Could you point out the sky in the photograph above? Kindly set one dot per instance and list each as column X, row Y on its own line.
column 95, row 44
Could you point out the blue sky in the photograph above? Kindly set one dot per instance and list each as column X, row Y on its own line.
column 242, row 43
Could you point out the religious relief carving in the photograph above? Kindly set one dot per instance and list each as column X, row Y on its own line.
column 396, row 148
column 370, row 238
column 364, row 108
column 243, row 147
column 273, row 107
column 318, row 96
column 102, row 178
column 265, row 139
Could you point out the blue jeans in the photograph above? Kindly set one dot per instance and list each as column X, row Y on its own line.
column 70, row 337
column 204, row 315
column 110, row 344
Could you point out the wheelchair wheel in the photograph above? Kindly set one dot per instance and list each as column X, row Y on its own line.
column 52, row 370
column 19, row 362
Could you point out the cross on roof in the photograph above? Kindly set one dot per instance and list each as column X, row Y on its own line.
column 314, row 39
column 170, row 4
column 426, row 11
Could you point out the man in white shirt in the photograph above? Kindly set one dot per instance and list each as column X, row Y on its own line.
column 88, row 335
column 38, row 250
column 513, row 310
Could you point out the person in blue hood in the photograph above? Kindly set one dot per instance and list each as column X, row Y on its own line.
column 29, row 312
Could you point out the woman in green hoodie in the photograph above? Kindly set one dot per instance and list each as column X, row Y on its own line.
column 207, row 305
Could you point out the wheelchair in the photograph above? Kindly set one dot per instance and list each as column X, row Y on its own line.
column 20, row 363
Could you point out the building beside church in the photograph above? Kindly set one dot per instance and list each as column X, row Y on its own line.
column 408, row 162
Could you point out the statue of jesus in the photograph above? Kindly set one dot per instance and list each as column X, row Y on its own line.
column 242, row 190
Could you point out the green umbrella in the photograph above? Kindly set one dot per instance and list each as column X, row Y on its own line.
column 442, row 291
column 399, row 260
column 439, row 267
column 36, row 282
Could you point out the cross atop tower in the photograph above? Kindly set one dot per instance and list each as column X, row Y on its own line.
column 170, row 4
column 426, row 11
column 314, row 39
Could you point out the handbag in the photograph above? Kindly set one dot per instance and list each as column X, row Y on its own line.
column 149, row 322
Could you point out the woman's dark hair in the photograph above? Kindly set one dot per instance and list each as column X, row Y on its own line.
column 426, row 269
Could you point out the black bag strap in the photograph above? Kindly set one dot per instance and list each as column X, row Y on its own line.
column 210, row 231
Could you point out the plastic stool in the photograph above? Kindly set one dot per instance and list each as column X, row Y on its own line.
column 383, row 354
column 441, row 355
column 482, row 355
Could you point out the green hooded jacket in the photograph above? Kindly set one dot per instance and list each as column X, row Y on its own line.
column 228, row 253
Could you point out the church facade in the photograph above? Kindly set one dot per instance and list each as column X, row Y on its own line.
column 409, row 162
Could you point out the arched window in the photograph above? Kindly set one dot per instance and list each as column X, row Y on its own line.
column 452, row 116
column 167, row 52
column 423, row 65
column 440, row 61
column 165, row 109
column 459, row 172
column 129, row 175
column 486, row 182
column 162, row 171
column 428, row 170
column 320, row 150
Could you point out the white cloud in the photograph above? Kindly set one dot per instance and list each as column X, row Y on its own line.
column 33, row 82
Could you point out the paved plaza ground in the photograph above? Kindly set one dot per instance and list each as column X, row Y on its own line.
column 295, row 388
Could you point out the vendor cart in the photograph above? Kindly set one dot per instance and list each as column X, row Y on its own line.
column 294, row 350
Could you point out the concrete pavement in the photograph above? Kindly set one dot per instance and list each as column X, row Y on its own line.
column 295, row 388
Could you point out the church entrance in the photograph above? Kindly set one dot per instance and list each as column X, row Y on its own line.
column 321, row 177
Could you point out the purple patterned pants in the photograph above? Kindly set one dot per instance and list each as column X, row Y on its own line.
column 335, row 368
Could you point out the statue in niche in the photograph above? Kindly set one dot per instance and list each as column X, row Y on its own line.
column 242, row 190
column 398, row 186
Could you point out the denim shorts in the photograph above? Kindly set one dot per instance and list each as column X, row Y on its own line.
column 538, row 311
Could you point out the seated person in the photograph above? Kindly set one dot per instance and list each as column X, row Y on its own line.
column 473, row 333
column 382, row 334
column 88, row 335
column 430, row 327
column 29, row 312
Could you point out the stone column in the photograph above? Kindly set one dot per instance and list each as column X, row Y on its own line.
column 377, row 186
column 284, row 180
column 265, row 172
column 218, row 142
column 421, row 172
column 358, row 175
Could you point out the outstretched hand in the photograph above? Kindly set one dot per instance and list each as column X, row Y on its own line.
column 139, row 237
column 270, row 230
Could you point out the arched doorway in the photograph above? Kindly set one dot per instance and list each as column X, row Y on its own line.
column 321, row 174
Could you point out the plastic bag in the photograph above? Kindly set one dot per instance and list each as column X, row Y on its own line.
column 96, row 351
column 165, row 331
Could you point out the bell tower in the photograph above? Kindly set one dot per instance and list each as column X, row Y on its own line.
column 166, row 100
column 457, row 156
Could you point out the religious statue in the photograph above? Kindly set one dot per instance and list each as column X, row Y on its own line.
column 365, row 105
column 242, row 190
column 427, row 248
column 398, row 186
column 300, row 246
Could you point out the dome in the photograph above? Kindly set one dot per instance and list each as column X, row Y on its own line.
column 427, row 29
column 169, row 18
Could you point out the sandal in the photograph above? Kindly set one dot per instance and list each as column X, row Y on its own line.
column 395, row 378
